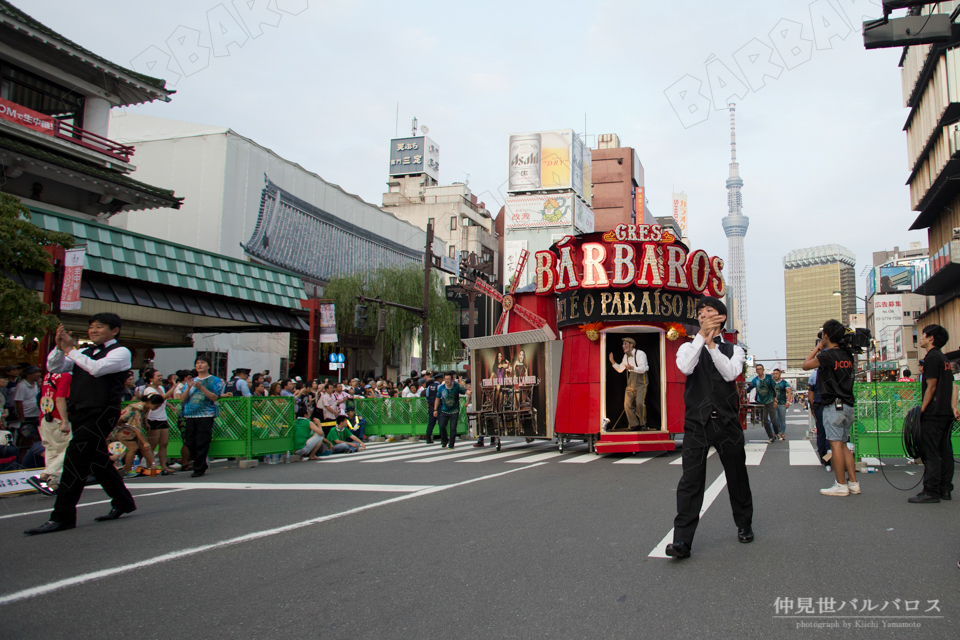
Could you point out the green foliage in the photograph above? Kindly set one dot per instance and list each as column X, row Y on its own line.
column 403, row 285
column 22, row 247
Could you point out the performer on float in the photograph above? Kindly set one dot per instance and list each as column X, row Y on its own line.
column 711, row 418
column 635, row 397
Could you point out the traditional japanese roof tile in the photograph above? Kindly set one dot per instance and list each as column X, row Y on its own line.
column 119, row 252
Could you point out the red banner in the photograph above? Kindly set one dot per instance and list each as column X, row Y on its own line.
column 72, row 273
column 26, row 117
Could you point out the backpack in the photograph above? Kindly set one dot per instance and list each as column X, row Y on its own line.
column 231, row 388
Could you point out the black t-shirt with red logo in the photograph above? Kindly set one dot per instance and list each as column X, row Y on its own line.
column 835, row 376
column 937, row 367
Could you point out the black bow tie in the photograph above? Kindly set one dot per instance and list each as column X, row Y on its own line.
column 718, row 339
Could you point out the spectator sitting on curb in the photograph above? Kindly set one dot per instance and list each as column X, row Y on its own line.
column 344, row 441
column 357, row 425
column 317, row 444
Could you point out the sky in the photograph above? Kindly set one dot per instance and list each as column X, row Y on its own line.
column 327, row 84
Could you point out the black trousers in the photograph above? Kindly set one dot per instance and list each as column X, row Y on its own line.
column 431, row 423
column 197, row 436
column 448, row 421
column 937, row 454
column 822, row 445
column 727, row 439
column 86, row 453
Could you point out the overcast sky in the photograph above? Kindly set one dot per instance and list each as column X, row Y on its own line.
column 821, row 148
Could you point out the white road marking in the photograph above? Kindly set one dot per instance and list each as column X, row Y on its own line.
column 433, row 451
column 90, row 504
column 660, row 551
column 633, row 460
column 802, row 454
column 41, row 590
column 755, row 451
column 537, row 458
column 680, row 459
column 318, row 486
column 365, row 455
column 583, row 458
column 501, row 454
column 874, row 461
column 448, row 455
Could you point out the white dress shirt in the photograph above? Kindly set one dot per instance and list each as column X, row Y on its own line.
column 688, row 355
column 636, row 359
column 114, row 362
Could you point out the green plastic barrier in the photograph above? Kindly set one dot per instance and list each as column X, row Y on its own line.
column 401, row 416
column 878, row 423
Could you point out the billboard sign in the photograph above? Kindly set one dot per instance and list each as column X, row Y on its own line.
column 546, row 210
column 328, row 323
column 680, row 212
column 72, row 274
column 582, row 217
column 511, row 258
column 547, row 161
column 887, row 313
column 896, row 279
column 410, row 156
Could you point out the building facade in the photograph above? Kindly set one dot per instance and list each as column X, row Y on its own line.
column 618, row 193
column 930, row 77
column 810, row 279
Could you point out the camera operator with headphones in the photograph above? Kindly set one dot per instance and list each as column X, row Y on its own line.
column 833, row 359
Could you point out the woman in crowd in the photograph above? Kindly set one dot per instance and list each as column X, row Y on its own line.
column 158, row 430
column 274, row 389
column 129, row 432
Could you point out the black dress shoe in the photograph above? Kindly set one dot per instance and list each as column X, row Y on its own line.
column 924, row 498
column 196, row 474
column 113, row 515
column 49, row 527
column 745, row 535
column 678, row 550
column 945, row 495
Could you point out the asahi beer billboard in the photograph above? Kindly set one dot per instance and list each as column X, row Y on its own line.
column 547, row 161
column 515, row 376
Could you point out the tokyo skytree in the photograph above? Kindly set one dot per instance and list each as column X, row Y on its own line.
column 735, row 227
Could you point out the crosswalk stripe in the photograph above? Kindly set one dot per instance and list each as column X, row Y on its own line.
column 431, row 451
column 802, row 454
column 501, row 454
column 680, row 459
column 448, row 455
column 366, row 455
column 633, row 460
column 755, row 453
column 660, row 551
column 537, row 458
column 583, row 458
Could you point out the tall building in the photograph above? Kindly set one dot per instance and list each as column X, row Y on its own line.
column 618, row 195
column 810, row 278
column 929, row 75
column 892, row 307
column 735, row 227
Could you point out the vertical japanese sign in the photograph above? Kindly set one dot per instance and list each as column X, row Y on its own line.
column 328, row 323
column 72, row 273
column 680, row 212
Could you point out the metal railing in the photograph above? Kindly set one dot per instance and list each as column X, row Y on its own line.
column 90, row 140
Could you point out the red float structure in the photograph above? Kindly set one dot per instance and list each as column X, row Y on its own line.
column 548, row 375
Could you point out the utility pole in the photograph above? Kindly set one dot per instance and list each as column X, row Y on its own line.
column 427, row 263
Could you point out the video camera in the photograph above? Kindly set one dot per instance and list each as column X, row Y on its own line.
column 855, row 340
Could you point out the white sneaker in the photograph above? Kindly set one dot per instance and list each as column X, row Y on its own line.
column 836, row 490
column 854, row 487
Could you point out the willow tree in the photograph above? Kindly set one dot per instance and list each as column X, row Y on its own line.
column 22, row 312
column 403, row 285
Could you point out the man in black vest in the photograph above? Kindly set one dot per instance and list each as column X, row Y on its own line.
column 712, row 366
column 99, row 373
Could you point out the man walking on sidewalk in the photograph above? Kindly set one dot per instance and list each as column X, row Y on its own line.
column 767, row 399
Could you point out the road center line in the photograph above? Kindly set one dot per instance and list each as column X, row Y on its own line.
column 89, row 504
column 313, row 486
column 41, row 590
column 660, row 551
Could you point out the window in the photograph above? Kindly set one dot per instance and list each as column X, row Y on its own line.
column 453, row 223
column 453, row 252
column 432, row 222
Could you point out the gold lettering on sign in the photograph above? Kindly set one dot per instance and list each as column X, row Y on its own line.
column 645, row 308
column 617, row 308
column 561, row 310
column 656, row 302
column 588, row 305
column 628, row 308
column 666, row 304
column 677, row 305
column 605, row 299
column 574, row 301
column 691, row 308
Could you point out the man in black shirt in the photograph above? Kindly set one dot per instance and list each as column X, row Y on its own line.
column 936, row 417
column 835, row 373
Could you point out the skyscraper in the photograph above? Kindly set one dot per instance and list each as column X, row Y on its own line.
column 810, row 277
column 735, row 227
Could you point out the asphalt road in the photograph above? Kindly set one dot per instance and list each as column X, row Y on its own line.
column 521, row 546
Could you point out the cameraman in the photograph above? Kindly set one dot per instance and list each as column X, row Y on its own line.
column 833, row 359
column 936, row 416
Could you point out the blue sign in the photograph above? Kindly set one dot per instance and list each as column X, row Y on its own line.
column 340, row 357
column 333, row 357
